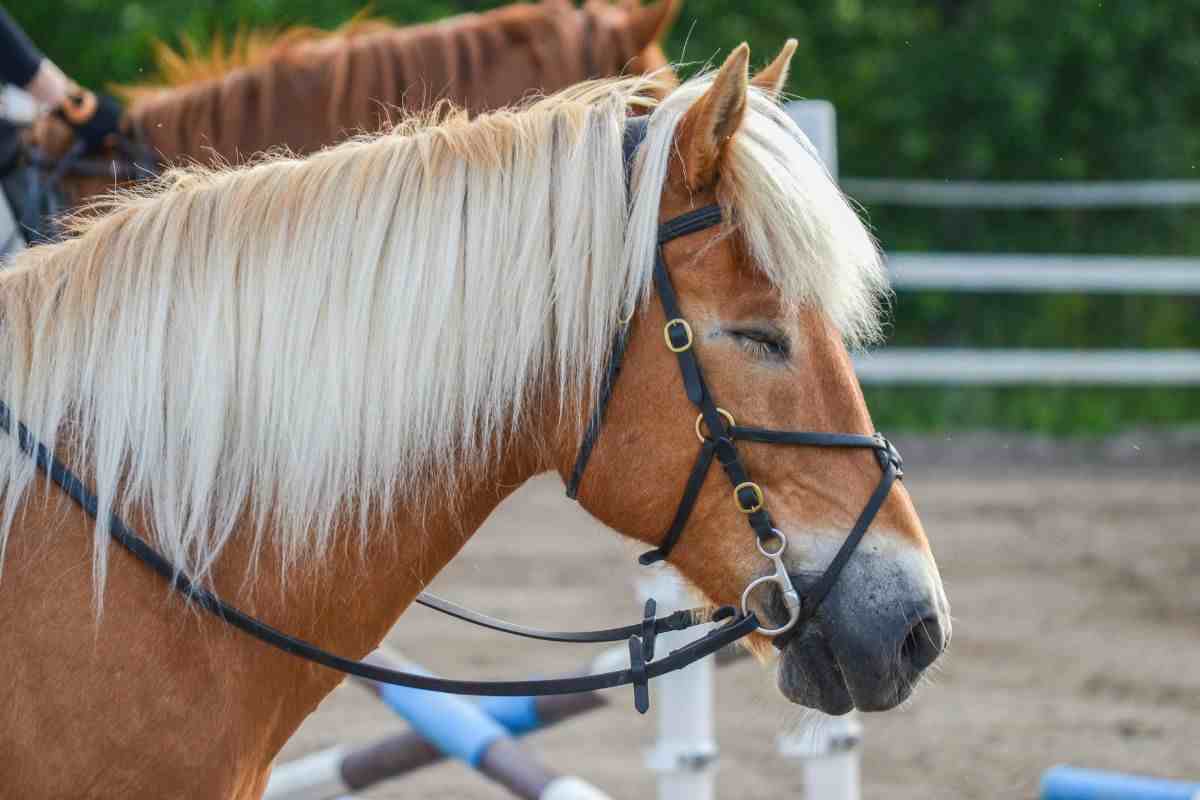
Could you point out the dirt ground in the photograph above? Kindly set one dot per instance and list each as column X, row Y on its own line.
column 1075, row 592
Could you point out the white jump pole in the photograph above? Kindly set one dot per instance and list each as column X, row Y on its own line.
column 685, row 754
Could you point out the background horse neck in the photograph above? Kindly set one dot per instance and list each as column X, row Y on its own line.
column 212, row 705
column 315, row 93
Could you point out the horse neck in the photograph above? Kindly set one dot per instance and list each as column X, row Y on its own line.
column 349, row 601
column 363, row 585
column 315, row 94
column 213, row 706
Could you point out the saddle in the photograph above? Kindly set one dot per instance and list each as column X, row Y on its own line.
column 29, row 202
column 31, row 181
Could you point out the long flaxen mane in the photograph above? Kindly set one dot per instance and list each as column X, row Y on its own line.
column 305, row 89
column 282, row 342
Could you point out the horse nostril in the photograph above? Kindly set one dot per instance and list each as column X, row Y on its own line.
column 924, row 643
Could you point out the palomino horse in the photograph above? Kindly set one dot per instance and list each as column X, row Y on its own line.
column 307, row 382
column 305, row 89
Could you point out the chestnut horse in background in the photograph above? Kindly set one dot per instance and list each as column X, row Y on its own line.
column 305, row 89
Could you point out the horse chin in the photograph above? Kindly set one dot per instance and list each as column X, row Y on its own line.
column 809, row 675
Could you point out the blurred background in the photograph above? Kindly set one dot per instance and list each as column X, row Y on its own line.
column 954, row 90
column 1031, row 170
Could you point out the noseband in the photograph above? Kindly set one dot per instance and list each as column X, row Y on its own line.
column 720, row 443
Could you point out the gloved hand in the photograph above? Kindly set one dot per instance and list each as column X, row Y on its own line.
column 92, row 116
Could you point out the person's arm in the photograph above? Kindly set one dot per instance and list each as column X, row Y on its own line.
column 50, row 86
column 92, row 116
column 22, row 64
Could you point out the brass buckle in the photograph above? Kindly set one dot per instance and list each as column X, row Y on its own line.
column 667, row 335
column 700, row 421
column 758, row 494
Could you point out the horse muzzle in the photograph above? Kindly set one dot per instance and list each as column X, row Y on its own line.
column 881, row 626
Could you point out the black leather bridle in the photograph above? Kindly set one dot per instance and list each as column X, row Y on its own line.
column 720, row 443
column 722, row 437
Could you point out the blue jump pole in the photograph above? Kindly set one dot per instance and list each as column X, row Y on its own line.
column 480, row 734
column 458, row 728
column 1072, row 783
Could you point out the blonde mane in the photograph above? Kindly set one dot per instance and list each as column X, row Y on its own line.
column 282, row 342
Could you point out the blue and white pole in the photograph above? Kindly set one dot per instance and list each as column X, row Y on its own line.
column 1072, row 783
column 480, row 734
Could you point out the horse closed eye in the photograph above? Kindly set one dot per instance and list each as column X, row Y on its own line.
column 765, row 343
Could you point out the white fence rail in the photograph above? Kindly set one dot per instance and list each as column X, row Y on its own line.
column 969, row 367
column 1033, row 194
column 961, row 272
column 974, row 272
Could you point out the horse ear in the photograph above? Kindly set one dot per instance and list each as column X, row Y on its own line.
column 706, row 128
column 651, row 23
column 773, row 77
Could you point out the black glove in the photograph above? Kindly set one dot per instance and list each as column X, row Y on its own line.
column 92, row 116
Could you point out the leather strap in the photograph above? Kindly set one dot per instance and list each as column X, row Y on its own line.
column 691, row 493
column 596, row 421
column 691, row 222
column 631, row 140
column 637, row 675
column 678, row 621
column 816, row 594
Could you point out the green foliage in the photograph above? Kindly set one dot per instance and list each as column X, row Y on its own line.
column 1004, row 90
column 955, row 89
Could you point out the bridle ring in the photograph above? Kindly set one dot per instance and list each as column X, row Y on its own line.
column 791, row 598
column 700, row 421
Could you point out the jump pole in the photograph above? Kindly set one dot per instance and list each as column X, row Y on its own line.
column 684, row 756
column 830, row 753
column 360, row 767
column 1072, row 783
column 481, row 734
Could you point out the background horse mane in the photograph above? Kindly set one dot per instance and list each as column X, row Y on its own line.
column 305, row 89
column 295, row 342
column 193, row 63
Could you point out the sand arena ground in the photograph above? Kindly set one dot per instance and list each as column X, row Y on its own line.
column 1075, row 589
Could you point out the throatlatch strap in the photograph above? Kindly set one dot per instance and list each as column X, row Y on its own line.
column 596, row 422
column 691, row 493
column 631, row 140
